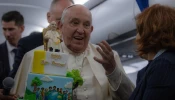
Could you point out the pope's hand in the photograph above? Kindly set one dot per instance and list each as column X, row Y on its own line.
column 107, row 61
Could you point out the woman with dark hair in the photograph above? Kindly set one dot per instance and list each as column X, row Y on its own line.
column 155, row 42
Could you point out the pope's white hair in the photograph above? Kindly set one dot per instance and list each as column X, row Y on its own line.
column 65, row 11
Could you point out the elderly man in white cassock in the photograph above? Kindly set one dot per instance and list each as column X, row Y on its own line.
column 100, row 66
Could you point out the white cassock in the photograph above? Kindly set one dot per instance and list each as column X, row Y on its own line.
column 97, row 86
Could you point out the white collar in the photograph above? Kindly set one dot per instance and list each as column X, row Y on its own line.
column 159, row 53
column 10, row 47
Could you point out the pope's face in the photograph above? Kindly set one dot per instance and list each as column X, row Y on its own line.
column 76, row 28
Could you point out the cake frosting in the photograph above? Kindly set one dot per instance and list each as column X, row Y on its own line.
column 52, row 63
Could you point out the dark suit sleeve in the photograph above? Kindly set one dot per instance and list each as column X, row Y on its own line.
column 1, row 68
column 4, row 63
column 1, row 75
column 160, row 81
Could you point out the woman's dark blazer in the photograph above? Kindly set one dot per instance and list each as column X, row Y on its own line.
column 158, row 79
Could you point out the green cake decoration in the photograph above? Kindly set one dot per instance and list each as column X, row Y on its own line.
column 75, row 74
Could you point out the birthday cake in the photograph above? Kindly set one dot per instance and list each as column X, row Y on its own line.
column 47, row 79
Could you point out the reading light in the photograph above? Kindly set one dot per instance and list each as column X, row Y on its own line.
column 80, row 1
